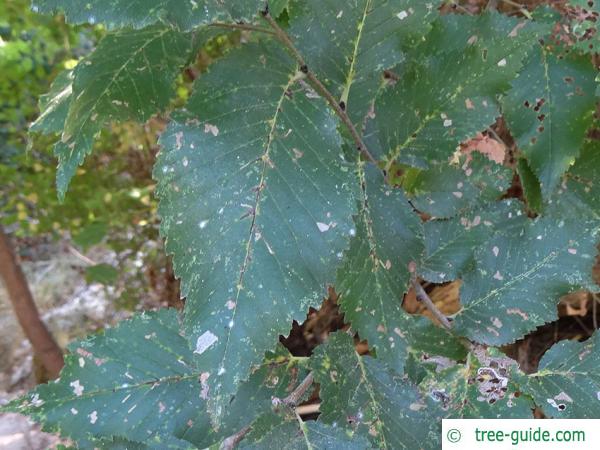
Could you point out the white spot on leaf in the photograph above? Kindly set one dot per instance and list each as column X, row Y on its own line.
column 417, row 406
column 297, row 154
column 205, row 341
column 518, row 312
column 563, row 396
column 209, row 128
column 35, row 401
column 230, row 304
column 205, row 388
column 77, row 387
column 93, row 417
column 178, row 139
column 323, row 227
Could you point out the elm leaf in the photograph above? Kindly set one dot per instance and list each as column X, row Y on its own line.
column 448, row 93
column 183, row 15
column 518, row 279
column 256, row 202
column 140, row 394
column 348, row 45
column 567, row 382
column 376, row 400
column 549, row 110
column 375, row 274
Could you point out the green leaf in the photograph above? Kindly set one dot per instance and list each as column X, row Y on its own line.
column 275, row 378
column 183, row 15
column 519, row 277
column 91, row 234
column 377, row 401
column 54, row 105
column 256, row 204
column 579, row 195
column 118, row 443
column 567, row 383
column 443, row 98
column 375, row 276
column 532, row 190
column 448, row 189
column 129, row 76
column 101, row 273
column 428, row 340
column 486, row 387
column 310, row 435
column 450, row 244
column 276, row 7
column 141, row 393
column 549, row 109
column 348, row 45
column 112, row 443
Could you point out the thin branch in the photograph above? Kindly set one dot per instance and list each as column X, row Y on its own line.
column 316, row 83
column 233, row 440
column 81, row 256
column 424, row 298
column 241, row 26
column 497, row 137
column 293, row 399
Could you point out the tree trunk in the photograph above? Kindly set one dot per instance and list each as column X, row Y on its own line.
column 26, row 311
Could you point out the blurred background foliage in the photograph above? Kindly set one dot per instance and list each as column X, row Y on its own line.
column 110, row 203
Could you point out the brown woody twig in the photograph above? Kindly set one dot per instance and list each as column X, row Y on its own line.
column 294, row 397
column 234, row 439
column 424, row 298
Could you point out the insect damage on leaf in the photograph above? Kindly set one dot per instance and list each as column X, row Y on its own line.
column 265, row 228
column 485, row 171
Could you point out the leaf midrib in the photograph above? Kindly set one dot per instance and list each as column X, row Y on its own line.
column 261, row 187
